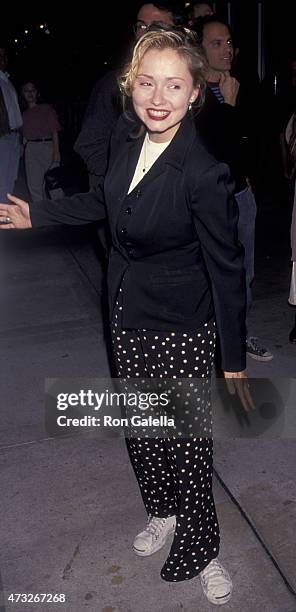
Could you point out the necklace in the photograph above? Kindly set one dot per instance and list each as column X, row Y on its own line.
column 145, row 153
column 151, row 151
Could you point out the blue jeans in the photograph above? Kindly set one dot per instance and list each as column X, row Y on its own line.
column 246, row 235
column 9, row 163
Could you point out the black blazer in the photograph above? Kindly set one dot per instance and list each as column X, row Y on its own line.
column 102, row 113
column 174, row 238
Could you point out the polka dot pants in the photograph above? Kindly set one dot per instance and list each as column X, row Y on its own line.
column 174, row 474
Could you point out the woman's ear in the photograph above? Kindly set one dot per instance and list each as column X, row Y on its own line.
column 194, row 94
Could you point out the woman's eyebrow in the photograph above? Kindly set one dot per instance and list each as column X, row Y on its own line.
column 148, row 76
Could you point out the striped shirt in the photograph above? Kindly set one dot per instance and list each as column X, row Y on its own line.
column 214, row 87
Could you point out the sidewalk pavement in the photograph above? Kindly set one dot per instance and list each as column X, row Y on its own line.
column 70, row 507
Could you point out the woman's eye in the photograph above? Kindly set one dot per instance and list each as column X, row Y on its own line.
column 145, row 83
column 174, row 86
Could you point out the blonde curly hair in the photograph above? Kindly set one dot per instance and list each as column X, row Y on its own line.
column 179, row 39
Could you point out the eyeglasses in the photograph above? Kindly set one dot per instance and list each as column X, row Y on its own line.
column 141, row 27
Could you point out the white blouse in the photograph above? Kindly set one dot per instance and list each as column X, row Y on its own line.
column 149, row 154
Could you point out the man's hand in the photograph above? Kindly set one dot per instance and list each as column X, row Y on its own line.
column 229, row 88
column 16, row 216
column 237, row 383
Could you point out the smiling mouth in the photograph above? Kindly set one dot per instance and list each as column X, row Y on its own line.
column 157, row 115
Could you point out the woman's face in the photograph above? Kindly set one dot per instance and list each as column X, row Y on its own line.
column 162, row 92
column 30, row 93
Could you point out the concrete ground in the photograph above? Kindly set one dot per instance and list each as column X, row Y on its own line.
column 70, row 506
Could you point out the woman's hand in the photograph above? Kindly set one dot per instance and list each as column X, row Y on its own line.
column 237, row 383
column 16, row 216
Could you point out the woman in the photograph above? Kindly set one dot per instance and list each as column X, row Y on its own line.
column 40, row 138
column 291, row 173
column 175, row 269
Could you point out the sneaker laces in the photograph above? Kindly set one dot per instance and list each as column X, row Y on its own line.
column 155, row 525
column 214, row 573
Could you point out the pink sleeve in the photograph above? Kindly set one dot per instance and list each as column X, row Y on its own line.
column 53, row 120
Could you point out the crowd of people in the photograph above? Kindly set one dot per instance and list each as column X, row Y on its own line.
column 167, row 147
column 32, row 133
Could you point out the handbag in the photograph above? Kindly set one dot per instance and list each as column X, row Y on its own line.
column 53, row 182
column 59, row 181
column 65, row 179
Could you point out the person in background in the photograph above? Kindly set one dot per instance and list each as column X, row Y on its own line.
column 286, row 104
column 290, row 172
column 223, row 126
column 175, row 277
column 10, row 124
column 40, row 132
column 199, row 9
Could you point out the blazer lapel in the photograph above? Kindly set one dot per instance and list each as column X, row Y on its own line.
column 122, row 172
column 134, row 150
column 173, row 155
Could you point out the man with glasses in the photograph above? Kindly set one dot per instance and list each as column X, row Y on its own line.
column 151, row 13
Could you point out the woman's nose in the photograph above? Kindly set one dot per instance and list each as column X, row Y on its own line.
column 158, row 96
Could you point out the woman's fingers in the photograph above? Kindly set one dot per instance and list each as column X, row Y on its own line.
column 243, row 392
column 5, row 218
column 230, row 386
column 6, row 225
column 15, row 215
column 237, row 383
column 16, row 200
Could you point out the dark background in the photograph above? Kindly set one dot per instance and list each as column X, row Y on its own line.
column 80, row 44
column 86, row 40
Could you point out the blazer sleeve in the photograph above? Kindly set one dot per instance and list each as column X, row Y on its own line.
column 78, row 209
column 215, row 213
column 83, row 207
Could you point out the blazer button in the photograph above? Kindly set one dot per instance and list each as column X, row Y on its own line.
column 124, row 230
column 128, row 210
column 138, row 193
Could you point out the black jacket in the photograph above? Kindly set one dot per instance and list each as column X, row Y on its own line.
column 174, row 239
column 102, row 113
column 224, row 134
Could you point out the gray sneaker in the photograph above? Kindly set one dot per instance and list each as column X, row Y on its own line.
column 257, row 351
column 154, row 536
column 216, row 583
